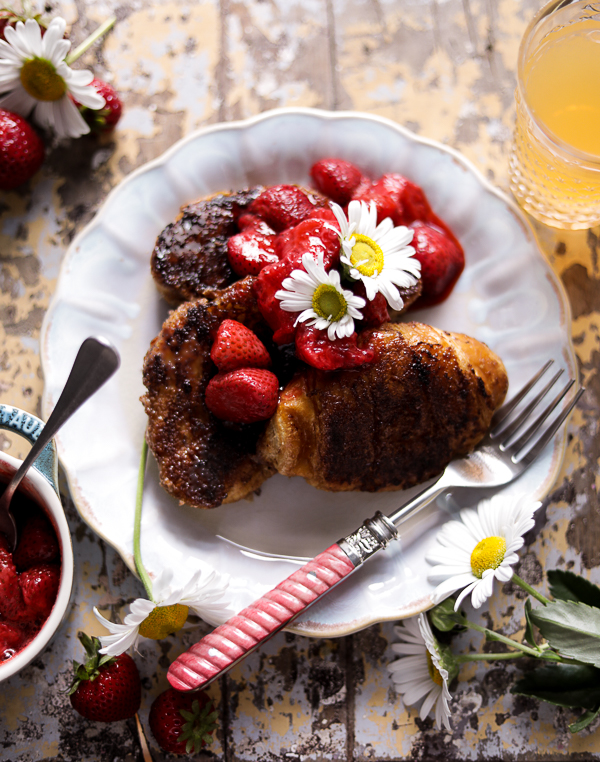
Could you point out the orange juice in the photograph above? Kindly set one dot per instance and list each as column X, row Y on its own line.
column 555, row 161
column 562, row 86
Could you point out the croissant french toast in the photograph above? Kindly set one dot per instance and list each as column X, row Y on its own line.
column 202, row 461
column 428, row 398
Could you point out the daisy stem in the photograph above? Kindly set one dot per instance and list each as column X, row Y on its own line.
column 89, row 41
column 492, row 635
column 529, row 589
column 137, row 524
column 461, row 658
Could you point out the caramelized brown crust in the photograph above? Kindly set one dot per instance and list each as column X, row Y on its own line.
column 428, row 398
column 202, row 461
column 190, row 254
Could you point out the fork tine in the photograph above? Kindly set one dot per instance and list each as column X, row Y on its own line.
column 526, row 436
column 530, row 456
column 508, row 430
column 508, row 407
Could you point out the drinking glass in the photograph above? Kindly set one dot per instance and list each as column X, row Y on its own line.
column 554, row 165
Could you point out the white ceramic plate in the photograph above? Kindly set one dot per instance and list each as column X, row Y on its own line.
column 507, row 297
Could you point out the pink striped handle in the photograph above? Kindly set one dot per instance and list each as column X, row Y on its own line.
column 229, row 643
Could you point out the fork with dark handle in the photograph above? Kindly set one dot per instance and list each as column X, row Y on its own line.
column 95, row 363
column 511, row 446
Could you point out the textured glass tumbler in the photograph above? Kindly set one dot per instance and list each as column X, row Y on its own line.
column 554, row 164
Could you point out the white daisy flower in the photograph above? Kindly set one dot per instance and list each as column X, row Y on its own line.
column 377, row 255
column 320, row 299
column 419, row 673
column 34, row 77
column 157, row 620
column 481, row 547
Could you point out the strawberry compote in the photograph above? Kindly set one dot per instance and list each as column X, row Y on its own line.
column 29, row 577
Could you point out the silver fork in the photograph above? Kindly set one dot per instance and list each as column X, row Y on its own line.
column 515, row 440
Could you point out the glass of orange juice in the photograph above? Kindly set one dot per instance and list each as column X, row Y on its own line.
column 554, row 164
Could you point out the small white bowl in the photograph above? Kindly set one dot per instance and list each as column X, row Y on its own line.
column 40, row 485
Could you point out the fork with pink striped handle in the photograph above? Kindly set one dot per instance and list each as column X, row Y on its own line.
column 515, row 440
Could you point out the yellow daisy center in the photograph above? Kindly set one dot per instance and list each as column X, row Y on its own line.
column 163, row 621
column 434, row 672
column 40, row 79
column 367, row 256
column 488, row 554
column 329, row 303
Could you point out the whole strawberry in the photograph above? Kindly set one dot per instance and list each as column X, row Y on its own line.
column 21, row 150
column 9, row 17
column 244, row 395
column 104, row 119
column 236, row 346
column 336, row 178
column 183, row 723
column 105, row 688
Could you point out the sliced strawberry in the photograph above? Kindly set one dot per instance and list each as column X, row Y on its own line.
column 39, row 585
column 12, row 604
column 323, row 213
column 251, row 249
column 265, row 287
column 384, row 203
column 312, row 236
column 245, row 395
column 37, row 543
column 336, row 178
column 315, row 348
column 282, row 206
column 236, row 346
column 375, row 311
column 442, row 261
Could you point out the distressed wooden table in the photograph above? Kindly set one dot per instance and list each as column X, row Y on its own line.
column 443, row 68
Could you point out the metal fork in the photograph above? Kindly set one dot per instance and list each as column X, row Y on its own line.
column 515, row 440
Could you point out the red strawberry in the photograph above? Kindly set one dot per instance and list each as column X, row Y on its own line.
column 12, row 605
column 384, row 203
column 8, row 17
column 236, row 346
column 253, row 248
column 282, row 206
column 105, row 688
column 315, row 348
column 442, row 261
column 245, row 395
column 375, row 311
column 39, row 585
column 11, row 639
column 336, row 178
column 37, row 543
column 104, row 119
column 183, row 723
column 21, row 150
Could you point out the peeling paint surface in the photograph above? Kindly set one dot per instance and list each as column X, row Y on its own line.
column 446, row 70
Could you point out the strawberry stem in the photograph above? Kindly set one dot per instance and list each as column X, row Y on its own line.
column 137, row 524
column 89, row 41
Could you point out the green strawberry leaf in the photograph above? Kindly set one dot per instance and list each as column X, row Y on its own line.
column 571, row 628
column 563, row 685
column 585, row 720
column 567, row 586
column 529, row 633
